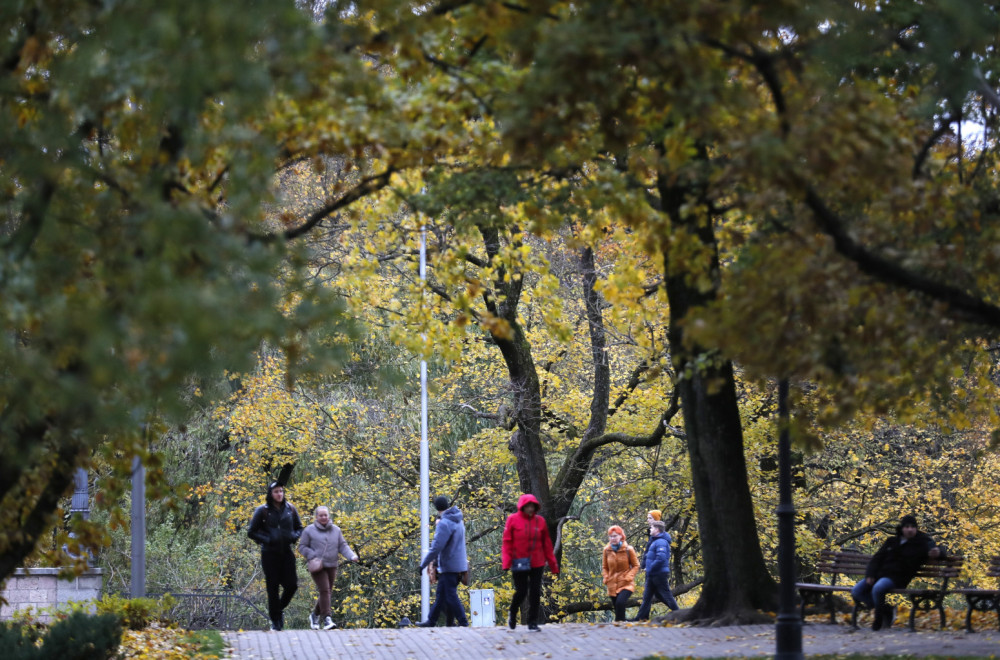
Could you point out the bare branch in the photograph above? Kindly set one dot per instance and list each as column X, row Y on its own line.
column 973, row 308
column 366, row 187
column 604, row 605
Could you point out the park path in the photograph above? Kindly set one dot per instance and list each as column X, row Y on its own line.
column 598, row 642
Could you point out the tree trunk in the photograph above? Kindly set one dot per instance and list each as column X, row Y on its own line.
column 50, row 484
column 558, row 495
column 736, row 577
column 526, row 443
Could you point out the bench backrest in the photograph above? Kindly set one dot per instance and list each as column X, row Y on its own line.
column 994, row 569
column 942, row 567
column 841, row 562
column 851, row 563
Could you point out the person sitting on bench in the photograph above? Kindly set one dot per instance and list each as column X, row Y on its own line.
column 892, row 567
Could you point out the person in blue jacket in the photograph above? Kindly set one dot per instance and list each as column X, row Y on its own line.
column 657, row 565
column 449, row 550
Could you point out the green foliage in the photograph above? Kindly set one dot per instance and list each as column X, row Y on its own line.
column 147, row 197
column 209, row 643
column 135, row 613
column 83, row 637
column 18, row 642
column 78, row 636
column 135, row 169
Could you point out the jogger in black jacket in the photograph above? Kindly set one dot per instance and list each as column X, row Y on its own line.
column 275, row 526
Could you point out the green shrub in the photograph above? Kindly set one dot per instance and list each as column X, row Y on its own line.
column 83, row 637
column 17, row 642
column 135, row 613
column 79, row 636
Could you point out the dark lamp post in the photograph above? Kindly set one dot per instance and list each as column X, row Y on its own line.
column 788, row 629
column 138, row 583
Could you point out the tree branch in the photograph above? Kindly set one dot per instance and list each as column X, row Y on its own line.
column 925, row 150
column 633, row 382
column 650, row 440
column 598, row 346
column 576, row 465
column 973, row 308
column 366, row 187
column 485, row 532
column 605, row 605
column 41, row 514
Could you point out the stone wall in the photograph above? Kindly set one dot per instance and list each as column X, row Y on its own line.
column 41, row 588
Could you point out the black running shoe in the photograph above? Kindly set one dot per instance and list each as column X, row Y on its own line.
column 890, row 616
column 879, row 613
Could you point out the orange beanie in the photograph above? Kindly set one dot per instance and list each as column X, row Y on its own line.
column 656, row 514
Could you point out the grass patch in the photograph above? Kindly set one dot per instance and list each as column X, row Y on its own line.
column 209, row 643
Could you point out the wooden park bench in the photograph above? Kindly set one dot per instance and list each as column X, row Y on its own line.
column 983, row 600
column 935, row 573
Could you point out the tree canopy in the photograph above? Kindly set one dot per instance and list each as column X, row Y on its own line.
column 731, row 192
column 136, row 163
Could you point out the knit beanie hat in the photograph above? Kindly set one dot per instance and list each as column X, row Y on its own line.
column 908, row 520
column 441, row 503
column 656, row 513
column 274, row 484
column 615, row 529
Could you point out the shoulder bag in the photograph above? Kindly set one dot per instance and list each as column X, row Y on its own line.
column 523, row 564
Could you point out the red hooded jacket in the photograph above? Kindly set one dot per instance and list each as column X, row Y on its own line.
column 527, row 536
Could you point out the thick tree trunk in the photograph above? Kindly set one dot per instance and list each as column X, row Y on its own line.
column 575, row 467
column 526, row 443
column 37, row 511
column 736, row 577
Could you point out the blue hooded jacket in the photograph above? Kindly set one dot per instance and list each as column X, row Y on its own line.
column 449, row 543
column 658, row 555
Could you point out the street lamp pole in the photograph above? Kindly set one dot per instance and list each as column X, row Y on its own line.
column 425, row 580
column 138, row 582
column 788, row 629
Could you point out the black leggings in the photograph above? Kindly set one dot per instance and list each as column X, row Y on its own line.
column 279, row 571
column 529, row 582
column 620, row 603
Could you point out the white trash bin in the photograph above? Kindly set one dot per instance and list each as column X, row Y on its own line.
column 482, row 607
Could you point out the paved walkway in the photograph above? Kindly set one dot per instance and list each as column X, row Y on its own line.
column 601, row 642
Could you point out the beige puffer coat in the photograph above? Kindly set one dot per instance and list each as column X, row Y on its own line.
column 327, row 543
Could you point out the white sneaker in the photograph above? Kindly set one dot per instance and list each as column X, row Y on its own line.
column 314, row 621
column 328, row 623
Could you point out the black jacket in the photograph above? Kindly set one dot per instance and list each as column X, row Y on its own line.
column 274, row 527
column 900, row 561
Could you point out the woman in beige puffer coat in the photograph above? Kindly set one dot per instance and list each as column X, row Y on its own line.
column 323, row 541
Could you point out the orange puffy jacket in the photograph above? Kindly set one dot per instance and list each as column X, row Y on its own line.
column 619, row 568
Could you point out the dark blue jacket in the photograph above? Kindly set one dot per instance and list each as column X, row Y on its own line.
column 658, row 555
column 642, row 560
column 449, row 543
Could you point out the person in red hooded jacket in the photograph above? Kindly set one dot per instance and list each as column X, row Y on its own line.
column 526, row 548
